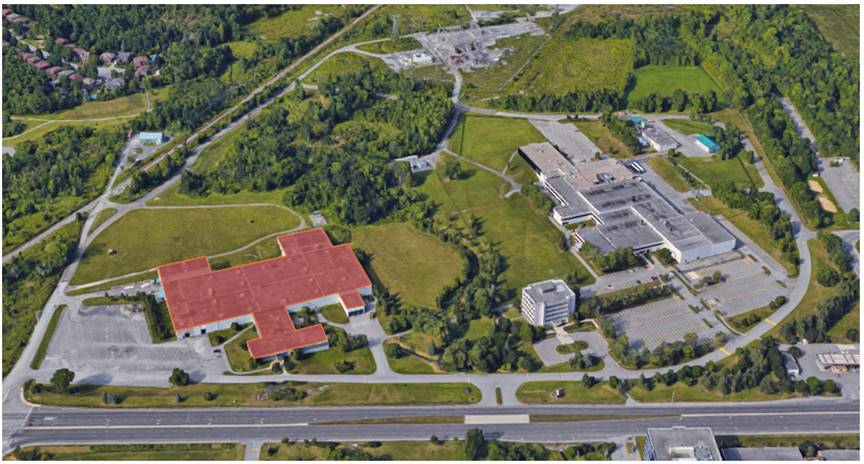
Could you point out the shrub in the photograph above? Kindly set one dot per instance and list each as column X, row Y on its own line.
column 209, row 396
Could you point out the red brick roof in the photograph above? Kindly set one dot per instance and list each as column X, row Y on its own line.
column 310, row 268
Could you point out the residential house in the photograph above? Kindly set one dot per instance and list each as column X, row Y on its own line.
column 83, row 55
column 107, row 58
column 115, row 83
column 42, row 65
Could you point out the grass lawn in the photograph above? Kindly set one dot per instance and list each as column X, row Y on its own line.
column 150, row 275
column 246, row 395
column 570, row 348
column 566, row 367
column 108, row 301
column 688, row 126
column 815, row 292
column 747, row 320
column 387, row 451
column 754, row 229
column 343, row 63
column 600, row 135
column 681, row 392
column 829, row 441
column 410, row 364
column 585, row 64
column 526, row 237
column 144, row 239
column 839, row 24
column 667, row 171
column 322, row 362
column 172, row 197
column 219, row 150
column 334, row 313
column 663, row 80
column 408, row 262
column 102, row 217
column 160, row 452
column 402, row 44
column 262, row 250
column 221, row 336
column 490, row 140
column 46, row 338
column 575, row 393
column 715, row 171
column 852, row 320
column 238, row 357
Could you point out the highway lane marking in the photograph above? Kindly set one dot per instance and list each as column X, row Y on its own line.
column 167, row 426
column 724, row 351
column 770, row 321
column 498, row 419
column 794, row 413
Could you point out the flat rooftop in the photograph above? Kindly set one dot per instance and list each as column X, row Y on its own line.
column 684, row 444
column 549, row 291
column 545, row 158
column 658, row 136
column 790, row 453
column 310, row 268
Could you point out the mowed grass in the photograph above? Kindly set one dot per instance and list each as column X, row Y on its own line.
column 679, row 392
column 815, row 292
column 103, row 216
column 585, row 64
column 413, row 264
column 46, row 338
column 851, row 320
column 387, row 451
column 839, row 24
column 667, row 171
column 526, row 237
column 543, row 392
column 603, row 138
column 715, row 171
column 145, row 239
column 688, row 126
column 246, row 395
column 663, row 80
column 344, row 63
column 490, row 140
column 754, row 229
column 160, row 452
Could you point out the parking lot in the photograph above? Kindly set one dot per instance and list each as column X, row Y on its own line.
column 843, row 182
column 666, row 320
column 745, row 285
column 103, row 343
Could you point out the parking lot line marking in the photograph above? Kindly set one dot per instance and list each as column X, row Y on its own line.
column 770, row 321
column 724, row 351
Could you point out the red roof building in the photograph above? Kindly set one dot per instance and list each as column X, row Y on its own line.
column 53, row 71
column 311, row 272
column 41, row 64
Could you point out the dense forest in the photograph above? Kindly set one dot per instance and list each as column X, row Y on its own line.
column 144, row 29
column 44, row 182
column 26, row 90
column 346, row 172
column 188, row 106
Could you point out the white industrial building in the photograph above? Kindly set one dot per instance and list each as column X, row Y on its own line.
column 548, row 302
column 659, row 139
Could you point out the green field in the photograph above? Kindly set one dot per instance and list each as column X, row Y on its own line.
column 403, row 44
column 668, row 172
column 839, row 24
column 490, row 140
column 103, row 216
column 46, row 338
column 172, row 197
column 852, row 320
column 542, row 392
column 663, row 80
column 423, row 18
column 160, row 452
column 688, row 126
column 697, row 393
column 526, row 237
column 410, row 263
column 585, row 64
column 344, row 63
column 603, row 138
column 387, row 451
column 292, row 22
column 754, row 229
column 246, row 395
column 211, row 156
column 715, row 171
column 433, row 73
column 815, row 292
column 145, row 239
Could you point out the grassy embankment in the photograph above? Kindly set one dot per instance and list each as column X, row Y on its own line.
column 46, row 338
column 144, row 239
column 160, row 452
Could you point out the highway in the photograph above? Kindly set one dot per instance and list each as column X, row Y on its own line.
column 70, row 425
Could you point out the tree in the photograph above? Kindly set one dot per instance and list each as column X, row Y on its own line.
column 827, row 276
column 452, row 169
column 475, row 445
column 853, row 215
column 62, row 379
column 588, row 381
column 393, row 350
column 179, row 377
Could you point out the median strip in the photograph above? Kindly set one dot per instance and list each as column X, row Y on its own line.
column 497, row 419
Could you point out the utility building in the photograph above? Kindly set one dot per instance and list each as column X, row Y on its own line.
column 682, row 444
column 548, row 302
column 707, row 143
column 310, row 273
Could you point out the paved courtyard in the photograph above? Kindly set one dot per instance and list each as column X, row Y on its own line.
column 101, row 342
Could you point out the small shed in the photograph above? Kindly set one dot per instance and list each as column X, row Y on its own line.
column 707, row 143
column 151, row 137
